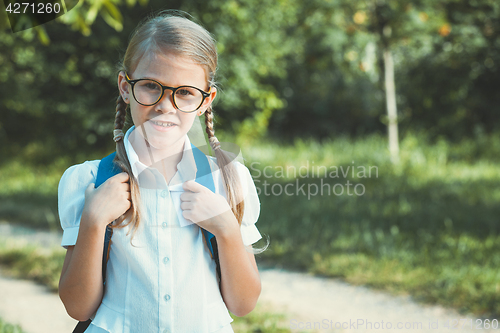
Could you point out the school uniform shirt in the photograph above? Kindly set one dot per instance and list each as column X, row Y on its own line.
column 166, row 280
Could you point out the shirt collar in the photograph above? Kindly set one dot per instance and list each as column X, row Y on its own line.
column 186, row 168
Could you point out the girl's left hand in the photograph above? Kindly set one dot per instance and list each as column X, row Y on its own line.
column 207, row 209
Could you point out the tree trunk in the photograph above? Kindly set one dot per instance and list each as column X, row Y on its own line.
column 392, row 112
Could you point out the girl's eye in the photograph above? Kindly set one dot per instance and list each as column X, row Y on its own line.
column 152, row 86
column 184, row 92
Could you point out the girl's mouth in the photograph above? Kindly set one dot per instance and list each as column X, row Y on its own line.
column 162, row 125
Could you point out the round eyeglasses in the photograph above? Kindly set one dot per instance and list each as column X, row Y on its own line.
column 148, row 92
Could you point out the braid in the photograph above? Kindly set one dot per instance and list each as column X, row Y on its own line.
column 209, row 123
column 229, row 174
column 121, row 113
column 132, row 216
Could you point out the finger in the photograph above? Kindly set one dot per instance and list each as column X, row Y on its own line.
column 187, row 214
column 125, row 187
column 187, row 196
column 122, row 177
column 193, row 186
column 186, row 205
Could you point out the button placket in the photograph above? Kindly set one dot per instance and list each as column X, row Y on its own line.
column 165, row 247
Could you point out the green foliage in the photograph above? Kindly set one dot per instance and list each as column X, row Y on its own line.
column 263, row 319
column 453, row 87
column 428, row 227
column 29, row 262
column 247, row 34
column 8, row 328
column 29, row 194
column 55, row 88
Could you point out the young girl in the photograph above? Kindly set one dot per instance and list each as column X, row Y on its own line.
column 160, row 274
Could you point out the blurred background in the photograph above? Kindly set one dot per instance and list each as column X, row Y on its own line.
column 409, row 88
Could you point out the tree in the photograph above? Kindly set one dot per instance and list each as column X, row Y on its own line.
column 253, row 45
column 451, row 90
column 53, row 85
column 392, row 22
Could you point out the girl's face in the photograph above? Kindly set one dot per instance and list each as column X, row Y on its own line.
column 162, row 124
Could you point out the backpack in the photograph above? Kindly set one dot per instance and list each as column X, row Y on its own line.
column 107, row 169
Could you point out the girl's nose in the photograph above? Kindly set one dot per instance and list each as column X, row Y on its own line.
column 166, row 103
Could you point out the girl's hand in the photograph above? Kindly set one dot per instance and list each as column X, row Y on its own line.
column 109, row 201
column 209, row 210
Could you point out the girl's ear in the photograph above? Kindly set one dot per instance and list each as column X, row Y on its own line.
column 208, row 101
column 123, row 86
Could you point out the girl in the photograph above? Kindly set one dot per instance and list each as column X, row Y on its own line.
column 160, row 275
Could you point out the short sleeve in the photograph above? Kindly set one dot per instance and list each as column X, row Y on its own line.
column 249, row 231
column 71, row 198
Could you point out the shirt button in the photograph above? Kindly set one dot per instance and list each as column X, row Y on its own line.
column 167, row 297
column 164, row 225
column 164, row 194
column 165, row 260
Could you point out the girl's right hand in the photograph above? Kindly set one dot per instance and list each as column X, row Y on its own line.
column 109, row 201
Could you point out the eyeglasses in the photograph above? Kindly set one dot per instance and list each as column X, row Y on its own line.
column 148, row 92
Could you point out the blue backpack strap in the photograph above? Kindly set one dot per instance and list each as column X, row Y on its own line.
column 107, row 169
column 204, row 177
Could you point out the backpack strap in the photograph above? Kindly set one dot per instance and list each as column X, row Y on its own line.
column 107, row 169
column 204, row 177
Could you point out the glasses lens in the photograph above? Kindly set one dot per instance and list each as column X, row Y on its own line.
column 147, row 91
column 188, row 99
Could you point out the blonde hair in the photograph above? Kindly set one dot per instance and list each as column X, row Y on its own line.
column 167, row 32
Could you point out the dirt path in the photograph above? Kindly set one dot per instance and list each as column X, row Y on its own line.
column 311, row 302
column 33, row 308
column 330, row 304
column 26, row 303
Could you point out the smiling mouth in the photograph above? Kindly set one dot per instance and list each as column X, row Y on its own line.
column 163, row 124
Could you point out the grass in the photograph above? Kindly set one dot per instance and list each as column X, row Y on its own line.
column 28, row 194
column 31, row 262
column 9, row 328
column 262, row 319
column 427, row 227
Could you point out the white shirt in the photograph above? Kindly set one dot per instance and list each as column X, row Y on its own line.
column 166, row 281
